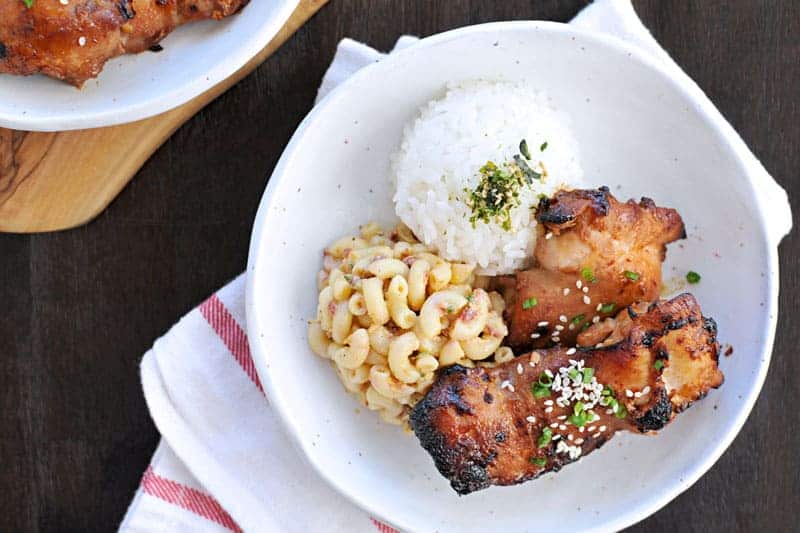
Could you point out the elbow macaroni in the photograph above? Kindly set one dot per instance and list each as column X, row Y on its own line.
column 391, row 312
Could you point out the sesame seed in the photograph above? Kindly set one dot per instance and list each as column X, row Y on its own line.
column 598, row 345
column 629, row 393
column 556, row 436
column 579, row 284
column 531, row 419
column 548, row 235
column 587, row 300
column 507, row 385
column 571, row 351
column 570, row 437
column 64, row 2
column 585, row 288
column 543, row 323
column 579, row 441
column 548, row 402
column 646, row 389
column 559, row 327
column 548, row 373
column 601, row 429
column 592, row 428
column 571, row 327
column 563, row 318
column 581, row 429
column 609, row 412
column 637, row 394
column 599, row 306
column 562, row 417
column 81, row 41
column 519, row 368
column 535, row 335
column 596, row 435
column 596, row 319
column 535, row 358
column 548, row 410
column 566, row 291
column 562, row 427
column 554, row 425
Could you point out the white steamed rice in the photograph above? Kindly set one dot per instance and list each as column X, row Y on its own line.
column 443, row 150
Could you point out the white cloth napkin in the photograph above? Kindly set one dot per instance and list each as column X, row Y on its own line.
column 223, row 462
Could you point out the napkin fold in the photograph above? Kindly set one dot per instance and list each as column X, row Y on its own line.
column 223, row 463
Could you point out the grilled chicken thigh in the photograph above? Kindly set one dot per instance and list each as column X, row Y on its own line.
column 543, row 410
column 72, row 42
column 597, row 256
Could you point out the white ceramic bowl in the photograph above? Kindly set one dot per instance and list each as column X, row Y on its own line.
column 195, row 58
column 642, row 133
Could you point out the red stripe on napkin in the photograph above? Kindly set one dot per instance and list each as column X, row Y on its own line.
column 190, row 499
column 232, row 334
column 383, row 528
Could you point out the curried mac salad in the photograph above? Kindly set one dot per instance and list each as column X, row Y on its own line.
column 391, row 312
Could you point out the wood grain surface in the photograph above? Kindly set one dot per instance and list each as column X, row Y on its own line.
column 55, row 181
column 82, row 306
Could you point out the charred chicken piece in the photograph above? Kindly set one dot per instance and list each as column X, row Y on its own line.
column 494, row 426
column 72, row 42
column 597, row 256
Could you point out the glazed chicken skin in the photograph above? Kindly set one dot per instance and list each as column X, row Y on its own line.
column 596, row 256
column 72, row 42
column 506, row 425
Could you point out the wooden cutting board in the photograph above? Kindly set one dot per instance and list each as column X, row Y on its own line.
column 55, row 181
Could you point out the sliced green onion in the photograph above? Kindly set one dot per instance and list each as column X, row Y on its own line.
column 586, row 273
column 543, row 147
column 577, row 319
column 545, row 438
column 530, row 302
column 523, row 149
column 692, row 277
column 538, row 461
column 659, row 364
column 631, row 275
column 607, row 308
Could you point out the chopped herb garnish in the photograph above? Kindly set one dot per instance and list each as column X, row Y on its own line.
column 543, row 147
column 692, row 277
column 523, row 149
column 28, row 3
column 451, row 309
column 588, row 374
column 530, row 302
column 538, row 461
column 578, row 408
column 607, row 308
column 585, row 326
column 573, row 374
column 577, row 319
column 545, row 437
column 608, row 400
column 586, row 273
column 496, row 194
column 526, row 169
column 541, row 389
column 658, row 365
column 631, row 275
column 581, row 418
column 469, row 298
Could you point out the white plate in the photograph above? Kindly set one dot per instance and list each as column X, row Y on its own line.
column 196, row 57
column 641, row 133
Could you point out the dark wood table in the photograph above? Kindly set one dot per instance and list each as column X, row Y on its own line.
column 82, row 306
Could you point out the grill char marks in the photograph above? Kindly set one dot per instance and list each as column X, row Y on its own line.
column 475, row 444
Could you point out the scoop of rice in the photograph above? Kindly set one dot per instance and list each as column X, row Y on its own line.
column 439, row 162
